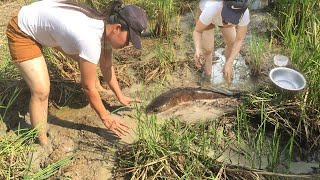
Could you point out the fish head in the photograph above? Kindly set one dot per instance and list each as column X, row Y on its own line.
column 155, row 107
column 152, row 110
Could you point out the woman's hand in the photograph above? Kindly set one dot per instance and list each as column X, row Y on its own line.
column 228, row 71
column 116, row 125
column 125, row 100
column 198, row 59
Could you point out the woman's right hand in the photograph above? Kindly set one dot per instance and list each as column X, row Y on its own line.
column 198, row 59
column 116, row 125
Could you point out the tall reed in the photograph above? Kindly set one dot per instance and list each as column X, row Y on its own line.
column 163, row 15
column 160, row 14
column 257, row 50
column 299, row 25
column 261, row 149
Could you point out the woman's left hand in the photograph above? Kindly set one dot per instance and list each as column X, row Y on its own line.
column 228, row 71
column 125, row 100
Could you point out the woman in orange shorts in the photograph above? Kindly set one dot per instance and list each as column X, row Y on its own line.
column 82, row 33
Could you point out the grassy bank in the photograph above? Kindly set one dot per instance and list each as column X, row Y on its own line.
column 265, row 129
column 299, row 25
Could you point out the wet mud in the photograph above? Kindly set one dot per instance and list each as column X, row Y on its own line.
column 75, row 127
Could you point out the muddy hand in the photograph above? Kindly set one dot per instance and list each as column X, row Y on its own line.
column 116, row 125
column 198, row 60
column 228, row 72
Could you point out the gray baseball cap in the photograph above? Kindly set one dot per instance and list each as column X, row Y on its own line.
column 136, row 19
column 233, row 10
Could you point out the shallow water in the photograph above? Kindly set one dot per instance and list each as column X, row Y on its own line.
column 241, row 79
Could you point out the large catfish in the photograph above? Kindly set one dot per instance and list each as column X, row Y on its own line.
column 175, row 96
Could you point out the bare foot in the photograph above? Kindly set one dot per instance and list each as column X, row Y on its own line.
column 100, row 88
column 43, row 140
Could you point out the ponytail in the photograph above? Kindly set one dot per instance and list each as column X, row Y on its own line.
column 109, row 16
column 113, row 7
column 88, row 11
column 112, row 14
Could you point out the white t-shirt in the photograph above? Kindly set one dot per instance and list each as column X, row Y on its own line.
column 211, row 13
column 71, row 30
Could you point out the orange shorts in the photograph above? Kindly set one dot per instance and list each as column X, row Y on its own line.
column 22, row 47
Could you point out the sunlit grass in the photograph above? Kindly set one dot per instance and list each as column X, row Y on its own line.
column 160, row 14
column 171, row 149
column 178, row 150
column 165, row 53
column 299, row 24
column 15, row 159
column 268, row 147
column 14, row 154
column 17, row 146
column 258, row 49
column 6, row 101
column 51, row 169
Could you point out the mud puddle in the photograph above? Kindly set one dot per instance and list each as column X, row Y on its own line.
column 80, row 129
column 241, row 72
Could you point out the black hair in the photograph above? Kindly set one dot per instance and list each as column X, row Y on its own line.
column 109, row 16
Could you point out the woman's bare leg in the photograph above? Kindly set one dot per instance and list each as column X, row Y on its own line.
column 35, row 73
column 208, row 48
column 229, row 36
column 207, row 45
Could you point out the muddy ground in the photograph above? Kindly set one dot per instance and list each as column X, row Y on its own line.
column 74, row 126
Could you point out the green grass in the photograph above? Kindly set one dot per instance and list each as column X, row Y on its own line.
column 15, row 161
column 159, row 13
column 299, row 24
column 269, row 124
column 258, row 48
column 171, row 149
column 51, row 169
column 165, row 54
column 6, row 101
column 17, row 146
column 13, row 153
column 264, row 136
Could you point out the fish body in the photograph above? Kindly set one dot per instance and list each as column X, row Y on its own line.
column 176, row 96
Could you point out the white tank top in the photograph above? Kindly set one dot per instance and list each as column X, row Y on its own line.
column 211, row 13
column 71, row 30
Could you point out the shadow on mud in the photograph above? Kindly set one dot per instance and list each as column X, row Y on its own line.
column 102, row 132
column 63, row 94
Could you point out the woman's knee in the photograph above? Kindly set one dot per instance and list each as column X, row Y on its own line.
column 208, row 42
column 207, row 52
column 229, row 45
column 41, row 94
column 229, row 35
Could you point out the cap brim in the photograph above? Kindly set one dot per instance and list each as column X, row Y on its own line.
column 230, row 15
column 135, row 39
